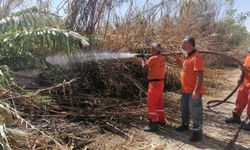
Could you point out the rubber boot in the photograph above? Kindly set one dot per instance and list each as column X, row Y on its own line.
column 182, row 127
column 196, row 136
column 234, row 119
column 247, row 127
column 152, row 127
column 162, row 124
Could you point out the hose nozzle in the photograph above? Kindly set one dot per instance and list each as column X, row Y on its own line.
column 141, row 55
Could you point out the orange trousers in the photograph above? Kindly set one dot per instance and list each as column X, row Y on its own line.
column 242, row 100
column 155, row 101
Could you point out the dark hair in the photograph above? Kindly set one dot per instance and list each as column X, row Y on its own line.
column 190, row 40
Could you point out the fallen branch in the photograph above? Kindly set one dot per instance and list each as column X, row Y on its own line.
column 118, row 130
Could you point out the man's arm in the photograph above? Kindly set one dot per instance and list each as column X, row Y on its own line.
column 243, row 70
column 199, row 82
column 199, row 65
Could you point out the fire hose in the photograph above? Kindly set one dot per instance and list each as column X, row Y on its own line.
column 214, row 103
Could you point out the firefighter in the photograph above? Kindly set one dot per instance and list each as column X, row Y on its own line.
column 243, row 95
column 156, row 74
column 192, row 88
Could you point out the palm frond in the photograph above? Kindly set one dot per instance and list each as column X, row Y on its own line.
column 27, row 19
column 50, row 38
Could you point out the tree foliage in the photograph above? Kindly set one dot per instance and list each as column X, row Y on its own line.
column 31, row 34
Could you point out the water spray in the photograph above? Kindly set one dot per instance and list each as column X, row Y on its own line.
column 81, row 57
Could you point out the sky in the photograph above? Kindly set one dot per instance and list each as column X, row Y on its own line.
column 240, row 5
column 243, row 6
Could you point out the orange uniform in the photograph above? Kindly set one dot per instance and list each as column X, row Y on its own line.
column 192, row 64
column 156, row 67
column 246, row 81
column 156, row 74
column 243, row 96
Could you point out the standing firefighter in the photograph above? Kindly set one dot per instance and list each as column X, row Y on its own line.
column 192, row 88
column 243, row 96
column 156, row 73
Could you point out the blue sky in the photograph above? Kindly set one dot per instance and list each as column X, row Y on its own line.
column 243, row 6
column 240, row 5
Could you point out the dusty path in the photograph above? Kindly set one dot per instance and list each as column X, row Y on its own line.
column 216, row 132
column 215, row 126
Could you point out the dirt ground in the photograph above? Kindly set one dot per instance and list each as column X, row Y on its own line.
column 216, row 133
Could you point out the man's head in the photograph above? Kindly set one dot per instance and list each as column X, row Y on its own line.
column 188, row 44
column 156, row 49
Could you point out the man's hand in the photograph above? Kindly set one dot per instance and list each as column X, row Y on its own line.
column 143, row 62
column 195, row 95
column 243, row 68
column 240, row 81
